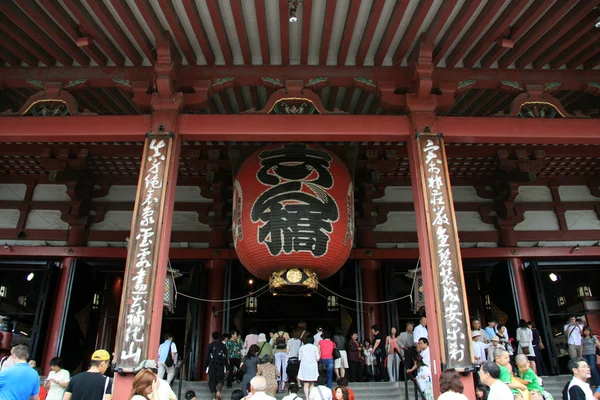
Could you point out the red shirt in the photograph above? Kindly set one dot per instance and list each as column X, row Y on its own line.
column 350, row 394
column 326, row 346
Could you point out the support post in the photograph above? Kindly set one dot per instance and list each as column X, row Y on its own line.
column 370, row 271
column 213, row 318
column 521, row 289
column 59, row 313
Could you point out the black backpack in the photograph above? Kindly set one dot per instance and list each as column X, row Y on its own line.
column 280, row 342
column 218, row 355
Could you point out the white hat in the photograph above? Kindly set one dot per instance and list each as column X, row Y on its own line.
column 262, row 337
column 476, row 334
column 495, row 338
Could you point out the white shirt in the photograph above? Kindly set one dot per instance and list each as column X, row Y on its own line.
column 484, row 336
column 426, row 357
column 587, row 390
column 164, row 392
column 500, row 391
column 452, row 396
column 575, row 337
column 419, row 332
column 325, row 392
column 262, row 395
column 317, row 338
column 56, row 391
column 479, row 350
column 292, row 397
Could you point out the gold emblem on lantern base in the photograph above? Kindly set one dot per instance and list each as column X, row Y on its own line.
column 294, row 281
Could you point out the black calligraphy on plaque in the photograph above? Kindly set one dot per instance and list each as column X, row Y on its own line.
column 296, row 212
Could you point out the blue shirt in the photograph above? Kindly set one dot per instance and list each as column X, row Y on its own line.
column 19, row 382
column 163, row 350
column 490, row 332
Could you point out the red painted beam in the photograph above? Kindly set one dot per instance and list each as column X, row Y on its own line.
column 14, row 48
column 586, row 54
column 215, row 16
column 134, row 28
column 90, row 26
column 327, row 28
column 10, row 58
column 593, row 62
column 55, row 10
column 306, row 17
column 192, row 12
column 151, row 19
column 390, row 31
column 436, row 25
column 549, row 39
column 519, row 130
column 240, row 27
column 38, row 35
column 181, row 37
column 547, row 22
column 566, row 40
column 374, row 17
column 462, row 17
column 496, row 31
column 584, row 43
column 518, row 29
column 113, row 28
column 490, row 10
column 261, row 20
column 20, row 37
column 74, row 129
column 412, row 30
column 284, row 31
column 351, row 17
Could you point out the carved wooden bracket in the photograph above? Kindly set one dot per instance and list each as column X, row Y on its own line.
column 64, row 163
column 51, row 101
column 536, row 102
column 521, row 166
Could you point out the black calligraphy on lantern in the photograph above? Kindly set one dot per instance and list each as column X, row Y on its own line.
column 296, row 211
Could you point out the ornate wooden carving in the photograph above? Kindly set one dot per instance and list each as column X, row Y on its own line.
column 536, row 102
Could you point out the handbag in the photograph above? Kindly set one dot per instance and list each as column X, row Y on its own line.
column 169, row 361
column 336, row 353
column 526, row 350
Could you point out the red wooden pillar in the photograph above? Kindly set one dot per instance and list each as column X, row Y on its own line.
column 370, row 274
column 522, row 299
column 213, row 319
column 59, row 311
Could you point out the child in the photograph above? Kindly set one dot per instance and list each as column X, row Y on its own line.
column 529, row 378
column 369, row 358
column 190, row 395
column 506, row 376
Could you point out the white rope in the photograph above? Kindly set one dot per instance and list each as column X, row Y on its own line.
column 363, row 302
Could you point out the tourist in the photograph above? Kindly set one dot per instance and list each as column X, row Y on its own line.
column 92, row 384
column 269, row 371
column 264, row 346
column 164, row 391
column 424, row 351
column 407, row 345
column 589, row 344
column 341, row 363
column 321, row 391
column 326, row 347
column 529, row 378
column 280, row 339
column 309, row 368
column 393, row 355
column 538, row 346
column 293, row 390
column 32, row 363
column 476, row 327
column 451, row 386
column 251, row 338
column 258, row 385
column 144, row 383
column 57, row 380
column 237, row 394
column 481, row 392
column 368, row 360
column 577, row 388
column 354, row 357
column 504, row 340
column 341, row 393
column 343, row 383
column 492, row 328
column 293, row 348
column 525, row 340
column 249, row 366
column 494, row 345
column 7, row 360
column 479, row 348
column 20, row 382
column 377, row 351
column 216, row 362
column 422, row 373
column 489, row 375
column 503, row 360
column 167, row 358
column 318, row 335
column 573, row 331
column 303, row 332
column 234, row 355
column 420, row 331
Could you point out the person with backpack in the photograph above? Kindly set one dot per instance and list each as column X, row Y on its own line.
column 167, row 358
column 281, row 338
column 216, row 362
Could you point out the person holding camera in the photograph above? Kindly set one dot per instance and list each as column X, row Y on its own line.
column 573, row 332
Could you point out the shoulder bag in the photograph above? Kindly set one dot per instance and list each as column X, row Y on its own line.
column 169, row 361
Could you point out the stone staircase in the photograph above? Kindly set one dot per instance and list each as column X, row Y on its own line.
column 555, row 384
column 362, row 391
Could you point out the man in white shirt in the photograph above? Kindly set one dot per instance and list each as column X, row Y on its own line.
column 420, row 331
column 425, row 353
column 573, row 331
column 258, row 385
column 479, row 348
column 318, row 335
column 163, row 352
column 57, row 381
column 476, row 325
column 578, row 388
column 489, row 374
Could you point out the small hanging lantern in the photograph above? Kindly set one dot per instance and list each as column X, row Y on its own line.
column 332, row 303
column 561, row 300
column 251, row 305
column 169, row 297
column 22, row 300
column 584, row 291
column 3, row 291
column 97, row 300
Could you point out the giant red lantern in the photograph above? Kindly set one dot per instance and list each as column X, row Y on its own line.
column 293, row 215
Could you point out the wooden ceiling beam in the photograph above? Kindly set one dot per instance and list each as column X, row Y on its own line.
column 592, row 62
column 306, row 21
column 10, row 58
column 549, row 20
column 181, row 37
column 151, row 19
column 65, row 22
column 240, row 27
column 495, row 32
column 28, row 44
column 369, row 33
column 566, row 40
column 215, row 16
column 351, row 18
column 562, row 27
column 261, row 21
column 16, row 49
column 39, row 36
column 284, row 31
column 462, row 18
column 490, row 10
column 111, row 25
column 517, row 30
column 588, row 40
column 412, row 30
column 428, row 37
column 90, row 26
column 134, row 28
column 192, row 12
column 390, row 31
column 586, row 54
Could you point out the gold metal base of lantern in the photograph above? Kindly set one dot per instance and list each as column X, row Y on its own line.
column 294, row 282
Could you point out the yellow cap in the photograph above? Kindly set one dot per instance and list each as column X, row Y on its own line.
column 101, row 355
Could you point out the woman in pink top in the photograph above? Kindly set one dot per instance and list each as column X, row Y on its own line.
column 393, row 359
column 326, row 346
column 251, row 338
